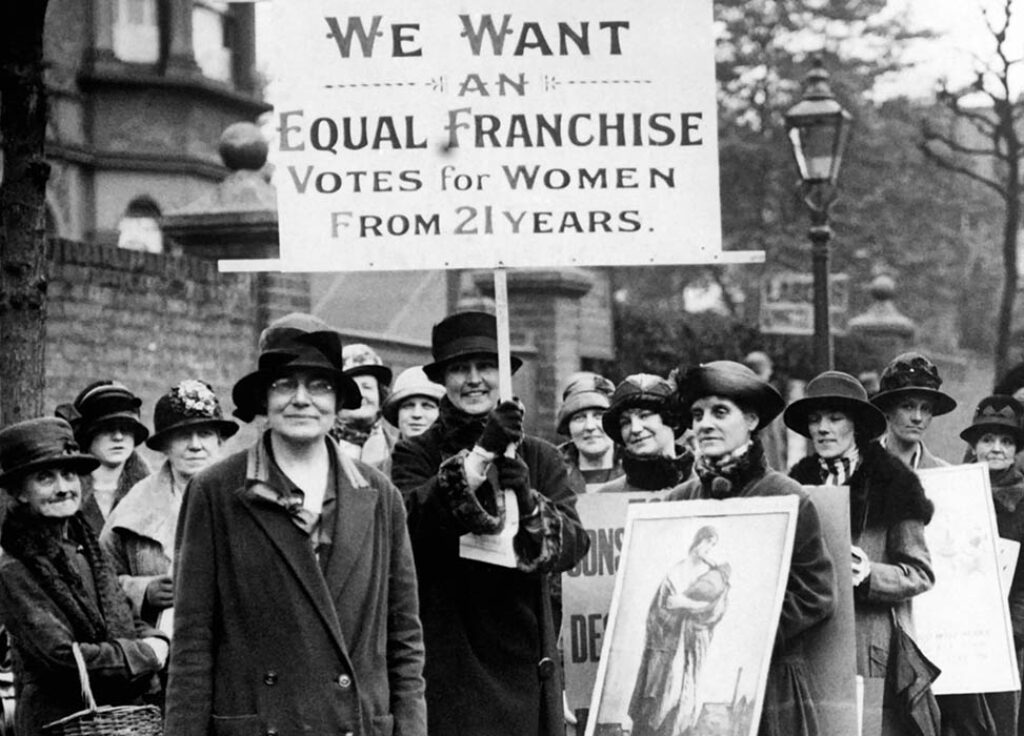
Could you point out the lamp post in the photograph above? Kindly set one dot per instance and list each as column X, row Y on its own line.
column 818, row 129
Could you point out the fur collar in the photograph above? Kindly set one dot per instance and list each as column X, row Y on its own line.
column 37, row 544
column 657, row 473
column 457, row 429
column 883, row 491
column 149, row 510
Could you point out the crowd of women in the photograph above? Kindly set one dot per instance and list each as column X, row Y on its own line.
column 98, row 551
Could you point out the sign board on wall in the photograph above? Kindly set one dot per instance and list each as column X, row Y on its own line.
column 524, row 133
column 787, row 303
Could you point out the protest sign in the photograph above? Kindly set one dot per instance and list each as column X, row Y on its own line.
column 587, row 591
column 522, row 133
column 963, row 623
column 702, row 567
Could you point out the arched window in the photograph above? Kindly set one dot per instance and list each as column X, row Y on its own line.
column 139, row 228
column 136, row 30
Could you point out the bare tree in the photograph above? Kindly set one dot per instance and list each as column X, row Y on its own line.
column 22, row 210
column 990, row 155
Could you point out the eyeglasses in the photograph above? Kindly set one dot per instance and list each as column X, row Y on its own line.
column 289, row 386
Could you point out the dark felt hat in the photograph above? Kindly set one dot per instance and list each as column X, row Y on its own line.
column 730, row 380
column 912, row 374
column 836, row 390
column 460, row 336
column 585, row 390
column 296, row 341
column 639, row 391
column 999, row 414
column 188, row 405
column 38, row 444
column 362, row 360
column 100, row 406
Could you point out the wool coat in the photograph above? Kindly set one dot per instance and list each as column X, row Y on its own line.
column 491, row 649
column 267, row 643
column 139, row 536
column 810, row 598
column 888, row 513
column 42, row 626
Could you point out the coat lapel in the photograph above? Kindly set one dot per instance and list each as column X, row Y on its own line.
column 356, row 501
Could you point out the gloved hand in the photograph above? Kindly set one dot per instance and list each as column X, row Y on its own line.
column 514, row 475
column 160, row 592
column 504, row 427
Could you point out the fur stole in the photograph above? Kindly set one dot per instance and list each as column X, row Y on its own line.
column 37, row 544
column 648, row 473
column 883, row 491
column 458, row 430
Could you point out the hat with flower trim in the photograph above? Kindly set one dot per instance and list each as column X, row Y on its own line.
column 189, row 404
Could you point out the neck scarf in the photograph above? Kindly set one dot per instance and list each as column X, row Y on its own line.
column 729, row 474
column 836, row 471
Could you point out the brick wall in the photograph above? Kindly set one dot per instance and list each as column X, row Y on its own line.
column 150, row 320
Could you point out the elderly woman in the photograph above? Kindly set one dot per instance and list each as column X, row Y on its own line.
column 57, row 589
column 728, row 405
column 139, row 533
column 994, row 436
column 105, row 419
column 888, row 512
column 414, row 403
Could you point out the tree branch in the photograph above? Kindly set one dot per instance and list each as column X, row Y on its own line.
column 948, row 165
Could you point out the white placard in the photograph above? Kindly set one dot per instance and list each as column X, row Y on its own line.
column 963, row 623
column 1008, row 551
column 494, row 549
column 519, row 133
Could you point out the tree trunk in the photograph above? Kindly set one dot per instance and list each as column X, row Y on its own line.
column 22, row 211
column 1011, row 226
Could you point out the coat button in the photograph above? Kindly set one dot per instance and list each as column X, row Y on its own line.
column 270, row 678
column 344, row 682
column 546, row 668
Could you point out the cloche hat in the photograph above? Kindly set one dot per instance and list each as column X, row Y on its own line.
column 410, row 382
column 836, row 390
column 639, row 391
column 99, row 406
column 190, row 403
column 1000, row 414
column 584, row 390
column 37, row 444
column 730, row 380
column 462, row 335
column 362, row 360
column 295, row 341
column 908, row 374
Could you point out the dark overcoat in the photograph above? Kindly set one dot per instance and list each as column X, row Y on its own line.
column 888, row 513
column 491, row 651
column 264, row 642
column 121, row 667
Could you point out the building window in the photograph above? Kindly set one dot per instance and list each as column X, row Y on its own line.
column 139, row 229
column 136, row 31
column 212, row 38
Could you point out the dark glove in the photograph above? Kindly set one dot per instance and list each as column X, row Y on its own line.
column 504, row 427
column 514, row 475
column 160, row 592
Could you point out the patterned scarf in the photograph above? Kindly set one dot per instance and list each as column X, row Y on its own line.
column 836, row 471
column 36, row 542
column 727, row 475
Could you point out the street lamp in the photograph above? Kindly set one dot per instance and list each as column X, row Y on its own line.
column 818, row 129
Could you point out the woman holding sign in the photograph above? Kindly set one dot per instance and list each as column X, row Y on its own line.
column 888, row 512
column 728, row 404
column 995, row 435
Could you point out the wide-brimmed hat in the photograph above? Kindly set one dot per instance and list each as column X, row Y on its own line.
column 1000, row 414
column 730, row 380
column 836, row 390
column 584, row 390
column 639, row 391
column 463, row 335
column 912, row 374
column 100, row 406
column 296, row 341
column 362, row 360
column 38, row 444
column 188, row 405
column 410, row 382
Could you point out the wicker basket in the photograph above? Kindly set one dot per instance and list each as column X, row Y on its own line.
column 106, row 720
